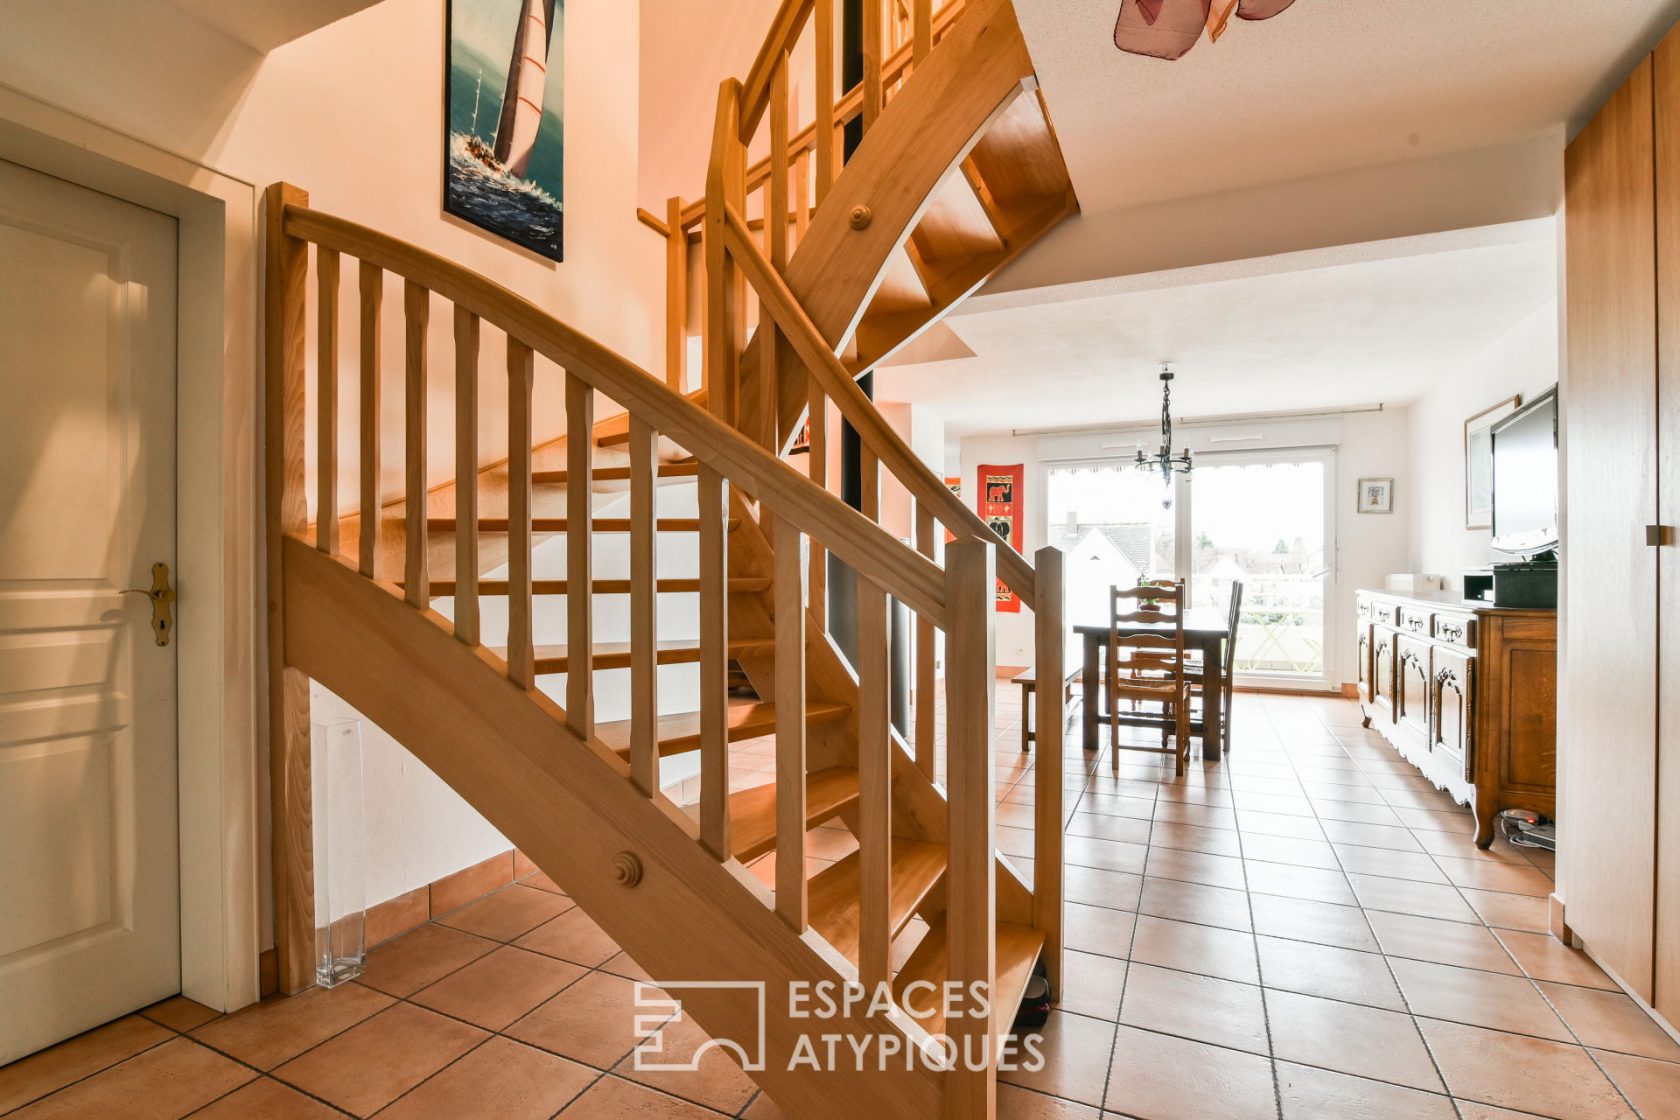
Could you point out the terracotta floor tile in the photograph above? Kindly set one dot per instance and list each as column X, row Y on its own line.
column 496, row 989
column 1652, row 1087
column 1431, row 939
column 1311, row 883
column 420, row 957
column 1193, row 838
column 1328, row 971
column 1096, row 929
column 508, row 913
column 1196, row 867
column 179, row 1013
column 715, row 1082
column 1482, row 999
column 1091, row 985
column 1490, row 876
column 1372, row 835
column 614, row 1099
column 1289, row 849
column 1473, row 1110
column 266, row 1099
column 542, row 882
column 1158, row 1077
column 1091, row 851
column 1114, row 889
column 1076, row 1054
column 1126, row 830
column 622, row 964
column 282, row 1027
column 1515, row 1071
column 591, row 1022
column 501, row 1079
column 1363, row 1041
column 1522, row 912
column 1544, row 957
column 1209, row 950
column 573, row 936
column 1204, row 1008
column 162, row 1083
column 39, row 1074
column 1318, row 1094
column 1194, row 902
column 1023, row 1104
column 1279, row 824
column 1416, row 866
column 1405, row 896
column 371, row 1064
column 1610, row 1021
column 1301, row 919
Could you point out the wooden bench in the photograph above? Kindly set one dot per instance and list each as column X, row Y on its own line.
column 1028, row 681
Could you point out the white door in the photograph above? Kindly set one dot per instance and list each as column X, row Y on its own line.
column 89, row 875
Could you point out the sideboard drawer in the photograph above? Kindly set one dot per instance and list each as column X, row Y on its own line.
column 1456, row 629
column 1414, row 621
column 1362, row 607
column 1384, row 612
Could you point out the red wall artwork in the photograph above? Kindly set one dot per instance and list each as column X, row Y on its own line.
column 998, row 502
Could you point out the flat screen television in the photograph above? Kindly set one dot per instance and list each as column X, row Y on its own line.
column 1525, row 479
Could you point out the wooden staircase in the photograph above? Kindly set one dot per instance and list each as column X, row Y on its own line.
column 437, row 623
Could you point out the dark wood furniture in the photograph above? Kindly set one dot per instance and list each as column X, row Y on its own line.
column 1028, row 680
column 1228, row 665
column 1147, row 669
column 1467, row 694
column 1205, row 629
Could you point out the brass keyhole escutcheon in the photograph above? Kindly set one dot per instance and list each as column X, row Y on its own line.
column 163, row 601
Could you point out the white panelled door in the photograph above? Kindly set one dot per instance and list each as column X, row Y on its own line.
column 89, row 874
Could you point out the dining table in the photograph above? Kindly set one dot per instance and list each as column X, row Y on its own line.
column 1205, row 628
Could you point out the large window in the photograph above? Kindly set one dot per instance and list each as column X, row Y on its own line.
column 1263, row 518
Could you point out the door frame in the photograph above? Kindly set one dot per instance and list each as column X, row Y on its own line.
column 221, row 661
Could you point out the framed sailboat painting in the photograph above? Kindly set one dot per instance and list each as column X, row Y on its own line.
column 504, row 144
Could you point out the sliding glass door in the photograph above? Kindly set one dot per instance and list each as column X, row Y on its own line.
column 1262, row 518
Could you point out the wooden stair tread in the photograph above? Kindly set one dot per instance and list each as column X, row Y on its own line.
column 559, row 524
column 444, row 588
column 752, row 812
column 836, row 895
column 748, row 719
column 687, row 468
column 1018, row 947
column 616, row 655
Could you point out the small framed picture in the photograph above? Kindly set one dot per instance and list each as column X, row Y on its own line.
column 1376, row 495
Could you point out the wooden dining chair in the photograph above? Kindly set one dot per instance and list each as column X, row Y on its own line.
column 1228, row 663
column 1147, row 668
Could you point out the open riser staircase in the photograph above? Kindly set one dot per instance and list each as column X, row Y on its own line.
column 466, row 620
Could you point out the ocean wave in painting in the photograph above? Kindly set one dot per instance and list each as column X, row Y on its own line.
column 478, row 189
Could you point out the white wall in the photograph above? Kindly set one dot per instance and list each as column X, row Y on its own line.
column 1524, row 362
column 354, row 115
column 1369, row 546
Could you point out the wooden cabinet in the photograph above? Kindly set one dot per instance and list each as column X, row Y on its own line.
column 1468, row 696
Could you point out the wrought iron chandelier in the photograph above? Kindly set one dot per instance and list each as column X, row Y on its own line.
column 1164, row 460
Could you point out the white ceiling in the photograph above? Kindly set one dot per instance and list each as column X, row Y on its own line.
column 1325, row 86
column 1353, row 326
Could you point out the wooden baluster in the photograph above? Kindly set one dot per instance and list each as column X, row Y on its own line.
column 790, row 725
column 326, row 418
column 825, row 134
column 926, row 656
column 971, row 898
column 1049, row 640
column 801, row 196
column 874, row 788
column 417, row 311
column 644, row 634
column 776, row 225
column 580, row 447
column 466, row 476
column 869, row 466
column 676, row 298
column 922, row 29
column 521, row 654
column 872, row 91
column 371, row 282
column 725, row 302
column 819, row 474
column 714, row 663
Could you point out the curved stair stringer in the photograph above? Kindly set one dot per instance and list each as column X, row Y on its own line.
column 569, row 805
column 921, row 139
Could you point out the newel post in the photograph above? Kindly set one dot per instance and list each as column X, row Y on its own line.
column 971, row 921
column 1049, row 650
column 285, row 280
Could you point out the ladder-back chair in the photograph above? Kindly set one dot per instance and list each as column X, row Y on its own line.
column 1146, row 667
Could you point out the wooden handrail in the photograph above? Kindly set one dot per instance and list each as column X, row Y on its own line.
column 842, row 530
column 785, row 30
column 878, row 435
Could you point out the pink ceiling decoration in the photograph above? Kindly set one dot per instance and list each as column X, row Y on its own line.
column 1169, row 28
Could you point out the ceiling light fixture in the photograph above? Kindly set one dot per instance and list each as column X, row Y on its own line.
column 1164, row 460
column 1167, row 29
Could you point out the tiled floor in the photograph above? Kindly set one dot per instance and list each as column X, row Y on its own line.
column 1302, row 931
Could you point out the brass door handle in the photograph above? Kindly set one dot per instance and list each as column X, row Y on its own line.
column 163, row 599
